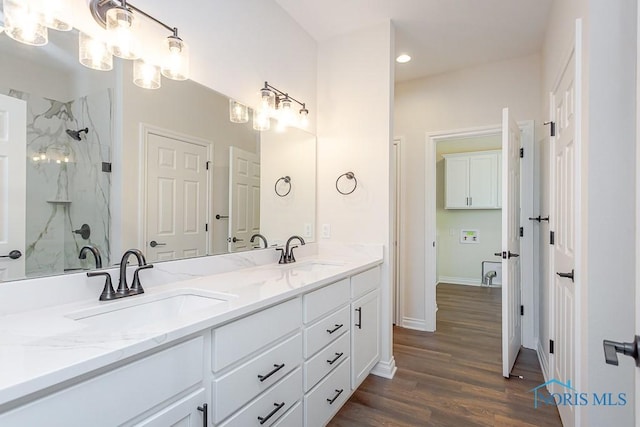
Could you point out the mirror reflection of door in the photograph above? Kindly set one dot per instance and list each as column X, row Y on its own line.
column 244, row 198
column 13, row 117
column 176, row 198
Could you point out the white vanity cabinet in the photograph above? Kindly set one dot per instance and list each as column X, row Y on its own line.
column 365, row 324
column 473, row 180
column 144, row 392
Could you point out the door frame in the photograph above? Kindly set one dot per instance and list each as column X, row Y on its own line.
column 143, row 142
column 398, row 229
column 527, row 243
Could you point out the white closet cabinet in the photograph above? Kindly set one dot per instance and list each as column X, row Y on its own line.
column 473, row 180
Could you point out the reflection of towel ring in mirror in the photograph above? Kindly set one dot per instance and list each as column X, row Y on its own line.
column 287, row 180
column 348, row 175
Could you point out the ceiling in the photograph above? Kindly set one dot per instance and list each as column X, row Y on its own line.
column 440, row 35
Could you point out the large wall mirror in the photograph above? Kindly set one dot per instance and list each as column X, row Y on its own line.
column 113, row 166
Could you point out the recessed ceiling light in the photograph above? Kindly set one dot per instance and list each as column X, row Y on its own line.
column 403, row 58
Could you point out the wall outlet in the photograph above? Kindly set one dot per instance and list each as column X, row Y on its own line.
column 326, row 231
column 308, row 230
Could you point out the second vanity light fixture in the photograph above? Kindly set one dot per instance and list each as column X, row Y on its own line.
column 28, row 21
column 278, row 104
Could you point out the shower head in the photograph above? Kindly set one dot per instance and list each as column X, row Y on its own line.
column 75, row 134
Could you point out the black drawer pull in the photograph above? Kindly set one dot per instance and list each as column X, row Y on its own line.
column 359, row 324
column 338, row 393
column 205, row 414
column 335, row 329
column 272, row 413
column 276, row 369
column 338, row 356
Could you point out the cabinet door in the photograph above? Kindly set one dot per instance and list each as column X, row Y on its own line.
column 184, row 413
column 365, row 338
column 483, row 180
column 456, row 182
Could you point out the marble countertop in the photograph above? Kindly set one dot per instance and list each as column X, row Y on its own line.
column 45, row 347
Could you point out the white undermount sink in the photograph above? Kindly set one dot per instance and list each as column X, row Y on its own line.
column 133, row 312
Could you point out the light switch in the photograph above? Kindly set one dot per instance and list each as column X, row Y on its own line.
column 326, row 231
column 307, row 230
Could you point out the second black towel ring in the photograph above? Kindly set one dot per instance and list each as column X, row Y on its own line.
column 287, row 180
column 348, row 175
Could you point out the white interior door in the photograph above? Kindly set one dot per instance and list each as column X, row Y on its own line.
column 244, row 198
column 176, row 198
column 13, row 165
column 397, row 227
column 511, row 320
column 562, row 222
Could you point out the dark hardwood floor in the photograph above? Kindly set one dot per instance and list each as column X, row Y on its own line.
column 452, row 377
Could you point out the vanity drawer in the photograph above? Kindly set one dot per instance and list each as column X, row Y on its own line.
column 326, row 361
column 324, row 300
column 326, row 331
column 238, row 339
column 242, row 384
column 365, row 282
column 328, row 396
column 120, row 395
column 293, row 418
column 275, row 402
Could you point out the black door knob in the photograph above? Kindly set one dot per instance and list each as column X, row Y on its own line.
column 612, row 348
column 15, row 254
column 234, row 239
column 153, row 244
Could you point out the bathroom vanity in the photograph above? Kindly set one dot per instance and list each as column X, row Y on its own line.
column 281, row 345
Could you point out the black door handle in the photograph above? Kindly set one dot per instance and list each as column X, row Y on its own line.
column 153, row 244
column 512, row 255
column 498, row 254
column 234, row 240
column 205, row 414
column 567, row 275
column 539, row 219
column 15, row 254
column 506, row 255
column 612, row 348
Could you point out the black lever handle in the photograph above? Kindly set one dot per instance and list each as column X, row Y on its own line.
column 498, row 254
column 107, row 292
column 15, row 254
column 567, row 275
column 234, row 239
column 153, row 244
column 205, row 414
column 539, row 219
column 612, row 348
column 136, row 286
column 512, row 255
column 506, row 255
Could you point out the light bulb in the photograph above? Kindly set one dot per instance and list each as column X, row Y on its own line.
column 121, row 24
column 175, row 65
column 146, row 75
column 43, row 156
column 66, row 159
column 23, row 22
column 35, row 158
column 238, row 113
column 303, row 117
column 267, row 101
column 94, row 53
column 261, row 120
column 285, row 112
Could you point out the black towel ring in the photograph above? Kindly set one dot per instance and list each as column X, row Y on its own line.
column 287, row 180
column 348, row 175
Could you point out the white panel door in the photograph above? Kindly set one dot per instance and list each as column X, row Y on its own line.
column 244, row 198
column 176, row 198
column 511, row 320
column 13, row 164
column 562, row 222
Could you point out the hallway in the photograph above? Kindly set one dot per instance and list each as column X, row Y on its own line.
column 452, row 377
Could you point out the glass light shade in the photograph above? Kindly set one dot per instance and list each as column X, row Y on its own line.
column 267, row 101
column 285, row 113
column 57, row 14
column 121, row 26
column 238, row 113
column 23, row 22
column 175, row 65
column 94, row 53
column 146, row 75
column 303, row 117
column 261, row 120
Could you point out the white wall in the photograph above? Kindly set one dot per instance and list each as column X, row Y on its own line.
column 355, row 95
column 457, row 262
column 460, row 99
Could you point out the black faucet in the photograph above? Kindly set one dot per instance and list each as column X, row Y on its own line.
column 288, row 250
column 94, row 251
column 136, row 287
column 259, row 236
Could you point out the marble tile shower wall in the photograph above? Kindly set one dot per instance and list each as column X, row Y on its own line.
column 66, row 186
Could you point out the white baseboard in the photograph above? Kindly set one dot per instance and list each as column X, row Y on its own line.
column 467, row 281
column 385, row 369
column 544, row 362
column 416, row 324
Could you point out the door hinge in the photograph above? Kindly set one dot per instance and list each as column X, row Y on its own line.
column 551, row 346
column 207, row 163
column 522, row 310
column 521, row 231
column 552, row 238
column 522, row 153
column 206, row 227
column 552, row 128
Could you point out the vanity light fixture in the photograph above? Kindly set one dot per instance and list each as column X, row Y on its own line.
column 238, row 113
column 24, row 23
column 278, row 104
